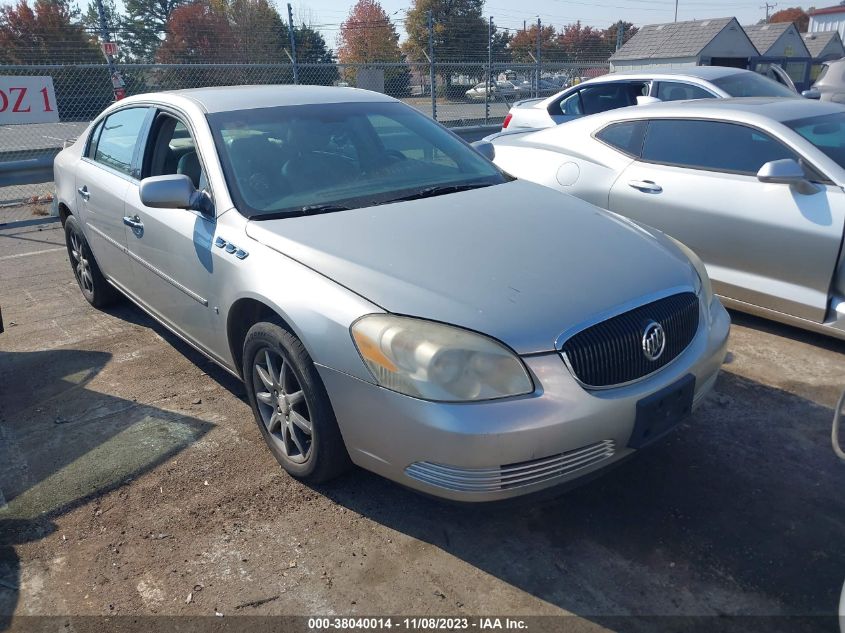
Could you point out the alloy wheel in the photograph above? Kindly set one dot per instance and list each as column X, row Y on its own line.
column 282, row 405
column 80, row 263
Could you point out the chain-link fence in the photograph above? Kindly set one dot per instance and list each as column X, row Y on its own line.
column 464, row 94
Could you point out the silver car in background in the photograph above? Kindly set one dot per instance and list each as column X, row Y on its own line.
column 830, row 84
column 627, row 88
column 753, row 186
column 387, row 295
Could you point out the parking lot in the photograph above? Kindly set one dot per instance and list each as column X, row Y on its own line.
column 134, row 481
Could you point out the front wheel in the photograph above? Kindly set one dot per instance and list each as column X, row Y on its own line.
column 96, row 290
column 291, row 405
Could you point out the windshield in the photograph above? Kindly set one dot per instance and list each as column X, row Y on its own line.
column 827, row 132
column 750, row 84
column 291, row 160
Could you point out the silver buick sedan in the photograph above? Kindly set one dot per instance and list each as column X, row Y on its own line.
column 388, row 296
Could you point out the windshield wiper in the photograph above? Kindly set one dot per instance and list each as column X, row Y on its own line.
column 437, row 190
column 315, row 209
column 312, row 209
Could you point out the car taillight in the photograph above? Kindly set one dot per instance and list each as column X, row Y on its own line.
column 507, row 120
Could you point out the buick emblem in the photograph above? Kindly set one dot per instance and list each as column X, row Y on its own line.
column 654, row 340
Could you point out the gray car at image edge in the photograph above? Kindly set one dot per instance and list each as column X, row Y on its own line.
column 388, row 296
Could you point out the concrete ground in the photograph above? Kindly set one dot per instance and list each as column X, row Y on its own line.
column 135, row 482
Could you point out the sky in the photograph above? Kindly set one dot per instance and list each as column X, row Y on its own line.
column 328, row 14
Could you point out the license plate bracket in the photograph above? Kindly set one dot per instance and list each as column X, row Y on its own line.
column 662, row 411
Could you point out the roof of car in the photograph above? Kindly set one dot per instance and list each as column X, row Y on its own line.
column 227, row 98
column 777, row 108
column 701, row 72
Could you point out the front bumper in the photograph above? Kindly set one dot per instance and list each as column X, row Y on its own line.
column 495, row 450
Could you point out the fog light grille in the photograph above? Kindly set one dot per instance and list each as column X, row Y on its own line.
column 511, row 475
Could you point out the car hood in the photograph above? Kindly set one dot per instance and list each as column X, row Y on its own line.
column 517, row 261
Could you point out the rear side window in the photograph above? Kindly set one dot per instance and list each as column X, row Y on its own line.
column 750, row 84
column 92, row 141
column 711, row 145
column 571, row 105
column 118, row 139
column 627, row 136
column 678, row 91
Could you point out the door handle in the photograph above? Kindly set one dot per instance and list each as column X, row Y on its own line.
column 647, row 186
column 134, row 222
column 83, row 192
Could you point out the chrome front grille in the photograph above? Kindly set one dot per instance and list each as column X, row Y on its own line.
column 511, row 475
column 611, row 352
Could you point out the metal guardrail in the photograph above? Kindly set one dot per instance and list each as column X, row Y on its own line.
column 31, row 170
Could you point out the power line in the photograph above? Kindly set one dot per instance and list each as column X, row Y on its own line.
column 767, row 7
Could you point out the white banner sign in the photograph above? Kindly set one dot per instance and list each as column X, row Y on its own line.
column 27, row 100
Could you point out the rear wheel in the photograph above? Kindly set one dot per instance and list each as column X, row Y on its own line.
column 291, row 405
column 96, row 290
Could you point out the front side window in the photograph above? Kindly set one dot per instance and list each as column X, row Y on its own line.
column 290, row 160
column 173, row 151
column 751, row 84
column 826, row 132
column 627, row 136
column 679, row 91
column 118, row 139
column 711, row 145
column 610, row 96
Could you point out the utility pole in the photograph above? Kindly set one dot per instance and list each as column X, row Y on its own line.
column 620, row 32
column 676, row 10
column 292, row 36
column 489, row 70
column 118, row 87
column 768, row 6
column 539, row 59
column 431, row 65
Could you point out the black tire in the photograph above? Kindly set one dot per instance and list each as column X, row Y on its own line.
column 325, row 456
column 96, row 290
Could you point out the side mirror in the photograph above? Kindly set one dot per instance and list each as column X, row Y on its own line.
column 644, row 100
column 786, row 171
column 812, row 93
column 173, row 192
column 486, row 149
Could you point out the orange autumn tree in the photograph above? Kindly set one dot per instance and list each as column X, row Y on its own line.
column 367, row 36
column 44, row 33
column 793, row 14
column 198, row 32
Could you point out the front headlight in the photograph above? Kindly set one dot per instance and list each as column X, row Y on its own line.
column 706, row 289
column 433, row 361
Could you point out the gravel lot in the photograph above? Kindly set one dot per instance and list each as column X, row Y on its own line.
column 136, row 482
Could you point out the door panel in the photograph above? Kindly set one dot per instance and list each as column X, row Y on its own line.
column 102, row 179
column 171, row 249
column 173, row 266
column 763, row 244
column 99, row 197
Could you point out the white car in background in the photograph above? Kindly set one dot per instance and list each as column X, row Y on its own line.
column 498, row 90
column 622, row 89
